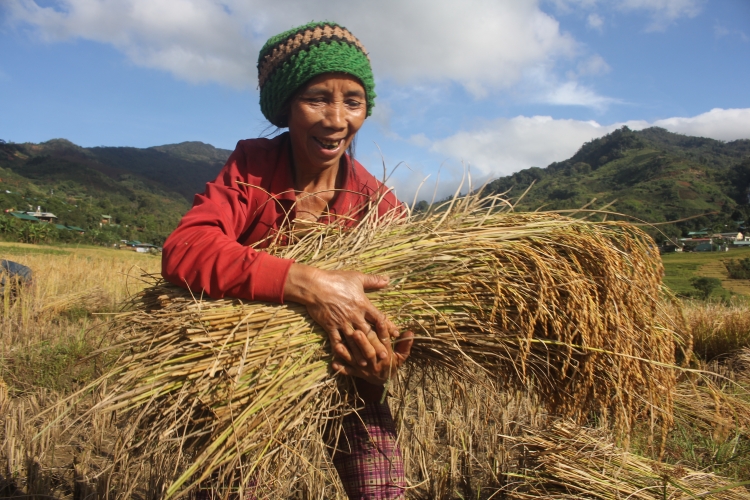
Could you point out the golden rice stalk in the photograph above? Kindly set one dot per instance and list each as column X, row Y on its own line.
column 573, row 306
column 569, row 462
column 716, row 402
column 718, row 330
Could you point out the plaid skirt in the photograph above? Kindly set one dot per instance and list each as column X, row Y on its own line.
column 367, row 456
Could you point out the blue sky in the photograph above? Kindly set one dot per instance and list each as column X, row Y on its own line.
column 495, row 85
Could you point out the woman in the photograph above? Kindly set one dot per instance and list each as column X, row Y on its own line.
column 317, row 81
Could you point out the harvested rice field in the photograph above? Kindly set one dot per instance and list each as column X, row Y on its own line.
column 75, row 370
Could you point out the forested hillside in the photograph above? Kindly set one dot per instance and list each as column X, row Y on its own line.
column 652, row 175
column 145, row 191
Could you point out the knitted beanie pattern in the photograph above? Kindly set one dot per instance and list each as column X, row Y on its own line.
column 287, row 61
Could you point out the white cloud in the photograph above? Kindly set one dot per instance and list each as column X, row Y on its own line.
column 420, row 140
column 595, row 21
column 661, row 12
column 573, row 94
column 481, row 44
column 504, row 146
column 722, row 31
column 594, row 65
column 196, row 40
column 664, row 12
column 540, row 85
column 721, row 124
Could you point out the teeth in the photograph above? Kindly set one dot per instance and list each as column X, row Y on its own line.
column 329, row 144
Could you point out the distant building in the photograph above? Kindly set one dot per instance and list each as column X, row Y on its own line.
column 24, row 216
column 42, row 216
column 145, row 248
column 670, row 248
column 106, row 219
column 705, row 247
column 729, row 236
column 698, row 234
column 695, row 240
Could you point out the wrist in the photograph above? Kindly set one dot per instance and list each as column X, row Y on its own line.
column 299, row 284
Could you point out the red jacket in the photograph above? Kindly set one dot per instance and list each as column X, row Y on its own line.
column 249, row 201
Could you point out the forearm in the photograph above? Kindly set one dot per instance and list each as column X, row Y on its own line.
column 204, row 259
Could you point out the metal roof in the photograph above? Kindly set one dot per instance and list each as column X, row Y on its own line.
column 23, row 216
column 49, row 215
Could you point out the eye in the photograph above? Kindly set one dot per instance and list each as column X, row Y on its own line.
column 354, row 103
column 316, row 100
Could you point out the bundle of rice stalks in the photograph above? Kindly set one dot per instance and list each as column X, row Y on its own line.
column 569, row 462
column 573, row 306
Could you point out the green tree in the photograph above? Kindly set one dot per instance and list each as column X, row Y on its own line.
column 705, row 286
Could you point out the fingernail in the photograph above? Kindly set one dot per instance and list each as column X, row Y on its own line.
column 383, row 354
column 363, row 363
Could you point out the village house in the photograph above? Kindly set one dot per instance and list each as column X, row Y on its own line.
column 734, row 236
column 42, row 216
column 23, row 216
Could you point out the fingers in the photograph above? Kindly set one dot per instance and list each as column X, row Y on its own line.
column 370, row 346
column 362, row 352
column 402, row 347
column 372, row 339
column 338, row 347
column 342, row 369
column 383, row 326
column 374, row 281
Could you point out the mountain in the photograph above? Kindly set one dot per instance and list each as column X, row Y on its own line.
column 183, row 168
column 652, row 175
column 145, row 191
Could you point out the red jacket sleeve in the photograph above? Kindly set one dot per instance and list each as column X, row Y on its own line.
column 203, row 252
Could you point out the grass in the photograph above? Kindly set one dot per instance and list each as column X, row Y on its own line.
column 680, row 267
column 23, row 249
column 58, row 320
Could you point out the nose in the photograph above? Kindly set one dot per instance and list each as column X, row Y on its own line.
column 335, row 116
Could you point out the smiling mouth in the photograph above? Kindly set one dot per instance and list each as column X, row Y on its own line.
column 328, row 144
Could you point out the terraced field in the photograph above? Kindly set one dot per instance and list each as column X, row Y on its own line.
column 679, row 268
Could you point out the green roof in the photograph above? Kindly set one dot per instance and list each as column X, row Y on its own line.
column 61, row 226
column 23, row 216
column 76, row 228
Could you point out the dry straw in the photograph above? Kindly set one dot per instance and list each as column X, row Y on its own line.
column 572, row 308
column 569, row 462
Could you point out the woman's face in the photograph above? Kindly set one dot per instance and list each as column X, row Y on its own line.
column 323, row 119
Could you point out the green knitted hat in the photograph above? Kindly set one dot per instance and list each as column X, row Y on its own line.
column 287, row 61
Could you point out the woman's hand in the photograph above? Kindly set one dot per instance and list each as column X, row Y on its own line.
column 337, row 302
column 383, row 369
